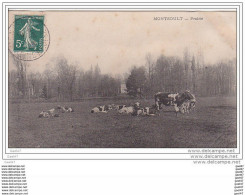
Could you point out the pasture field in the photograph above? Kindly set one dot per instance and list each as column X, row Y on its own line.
column 211, row 125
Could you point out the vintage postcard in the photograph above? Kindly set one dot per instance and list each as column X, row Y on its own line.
column 122, row 79
column 133, row 98
column 159, row 84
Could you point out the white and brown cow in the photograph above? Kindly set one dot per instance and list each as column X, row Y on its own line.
column 137, row 110
column 118, row 107
column 64, row 109
column 150, row 111
column 127, row 110
column 134, row 110
column 185, row 107
column 48, row 114
column 175, row 100
column 167, row 99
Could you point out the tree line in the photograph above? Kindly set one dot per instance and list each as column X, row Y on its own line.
column 173, row 74
column 63, row 82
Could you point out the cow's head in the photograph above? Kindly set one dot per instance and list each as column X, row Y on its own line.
column 187, row 95
column 119, row 107
column 41, row 114
column 70, row 109
column 137, row 104
column 101, row 108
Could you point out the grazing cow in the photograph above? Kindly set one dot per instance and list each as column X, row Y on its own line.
column 104, row 109
column 166, row 99
column 173, row 97
column 192, row 103
column 176, row 100
column 185, row 107
column 169, row 99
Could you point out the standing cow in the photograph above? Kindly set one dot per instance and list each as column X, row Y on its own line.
column 167, row 99
column 175, row 100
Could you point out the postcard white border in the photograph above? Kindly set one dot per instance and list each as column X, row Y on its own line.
column 119, row 153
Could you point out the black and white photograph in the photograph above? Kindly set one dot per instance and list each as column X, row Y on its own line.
column 122, row 79
column 122, row 98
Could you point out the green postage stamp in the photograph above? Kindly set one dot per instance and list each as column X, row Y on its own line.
column 28, row 33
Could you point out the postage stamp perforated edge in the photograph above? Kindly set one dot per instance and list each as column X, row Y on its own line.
column 28, row 33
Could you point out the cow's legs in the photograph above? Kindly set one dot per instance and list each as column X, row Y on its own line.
column 157, row 104
column 176, row 109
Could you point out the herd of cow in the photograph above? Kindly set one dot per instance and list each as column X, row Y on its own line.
column 182, row 102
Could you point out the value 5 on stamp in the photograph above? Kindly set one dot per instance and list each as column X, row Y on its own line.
column 28, row 33
column 29, row 37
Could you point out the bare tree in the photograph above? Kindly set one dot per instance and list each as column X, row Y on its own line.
column 193, row 69
column 66, row 78
column 21, row 78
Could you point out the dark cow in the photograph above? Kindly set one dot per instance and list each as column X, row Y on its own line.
column 167, row 99
column 175, row 100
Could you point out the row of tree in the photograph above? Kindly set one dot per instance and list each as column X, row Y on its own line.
column 168, row 74
column 63, row 82
column 172, row 74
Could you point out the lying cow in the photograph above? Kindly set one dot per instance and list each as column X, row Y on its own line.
column 150, row 111
column 118, row 107
column 134, row 110
column 137, row 110
column 146, row 111
column 64, row 109
column 127, row 110
column 104, row 109
column 48, row 114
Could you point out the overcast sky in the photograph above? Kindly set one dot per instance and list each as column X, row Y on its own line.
column 118, row 40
